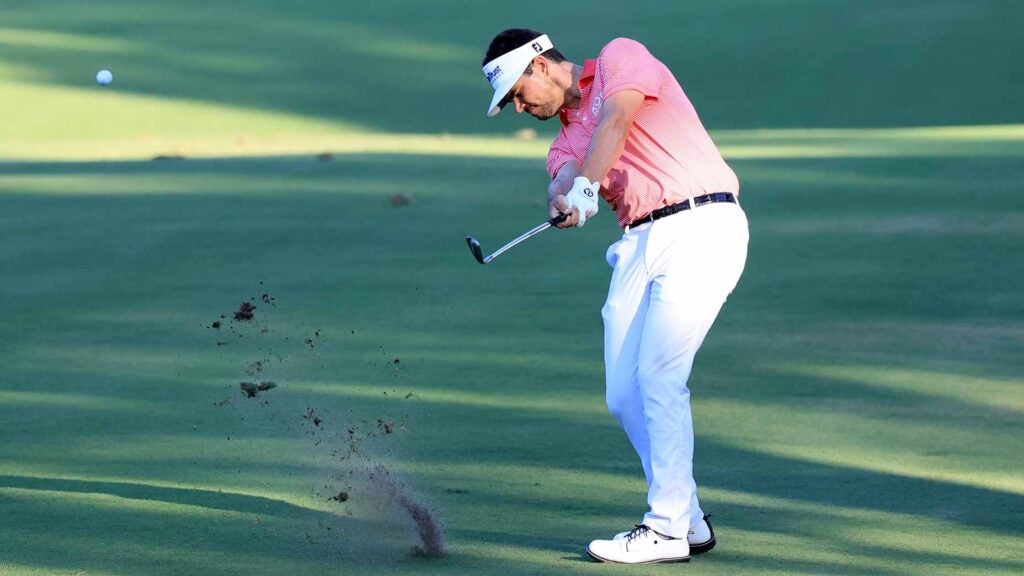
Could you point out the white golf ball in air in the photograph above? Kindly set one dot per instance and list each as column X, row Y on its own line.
column 104, row 77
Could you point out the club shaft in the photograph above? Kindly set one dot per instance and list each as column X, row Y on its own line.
column 537, row 230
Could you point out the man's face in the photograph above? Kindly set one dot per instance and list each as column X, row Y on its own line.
column 536, row 95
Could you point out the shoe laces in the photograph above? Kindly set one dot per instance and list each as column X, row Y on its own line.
column 638, row 531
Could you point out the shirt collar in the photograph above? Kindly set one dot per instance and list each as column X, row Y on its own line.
column 584, row 83
column 589, row 71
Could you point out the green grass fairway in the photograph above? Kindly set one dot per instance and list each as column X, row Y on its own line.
column 859, row 405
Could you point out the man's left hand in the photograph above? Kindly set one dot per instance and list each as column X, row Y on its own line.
column 581, row 199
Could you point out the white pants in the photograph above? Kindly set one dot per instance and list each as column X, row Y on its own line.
column 670, row 279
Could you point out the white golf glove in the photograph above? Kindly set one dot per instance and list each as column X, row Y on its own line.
column 583, row 197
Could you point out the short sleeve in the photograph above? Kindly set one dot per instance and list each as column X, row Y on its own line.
column 626, row 64
column 559, row 153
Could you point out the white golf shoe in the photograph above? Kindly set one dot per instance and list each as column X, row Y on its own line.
column 640, row 545
column 701, row 537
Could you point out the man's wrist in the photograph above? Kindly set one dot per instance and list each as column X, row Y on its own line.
column 583, row 197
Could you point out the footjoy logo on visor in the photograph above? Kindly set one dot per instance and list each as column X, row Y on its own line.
column 536, row 46
column 493, row 74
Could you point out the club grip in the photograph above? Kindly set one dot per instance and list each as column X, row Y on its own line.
column 558, row 219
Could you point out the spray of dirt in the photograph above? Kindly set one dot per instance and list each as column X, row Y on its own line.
column 428, row 529
column 344, row 445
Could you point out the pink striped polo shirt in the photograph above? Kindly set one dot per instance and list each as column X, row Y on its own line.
column 668, row 157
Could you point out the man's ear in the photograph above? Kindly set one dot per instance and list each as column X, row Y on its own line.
column 540, row 64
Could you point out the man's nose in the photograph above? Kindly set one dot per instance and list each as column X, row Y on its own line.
column 519, row 107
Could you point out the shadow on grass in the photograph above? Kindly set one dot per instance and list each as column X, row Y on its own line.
column 111, row 295
column 47, row 529
column 861, row 400
column 211, row 499
column 753, row 472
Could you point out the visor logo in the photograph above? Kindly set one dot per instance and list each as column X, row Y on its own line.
column 494, row 74
column 537, row 47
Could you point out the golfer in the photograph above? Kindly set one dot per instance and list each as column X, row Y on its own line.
column 630, row 135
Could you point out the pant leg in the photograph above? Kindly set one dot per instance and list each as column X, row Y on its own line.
column 695, row 263
column 623, row 314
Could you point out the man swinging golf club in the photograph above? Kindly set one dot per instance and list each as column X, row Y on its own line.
column 630, row 135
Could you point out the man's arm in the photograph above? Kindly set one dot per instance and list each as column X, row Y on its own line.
column 617, row 115
column 561, row 184
column 609, row 139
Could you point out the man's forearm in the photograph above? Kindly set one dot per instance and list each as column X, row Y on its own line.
column 609, row 138
column 563, row 179
column 606, row 146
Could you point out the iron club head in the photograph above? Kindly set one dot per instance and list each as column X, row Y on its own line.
column 478, row 252
column 474, row 247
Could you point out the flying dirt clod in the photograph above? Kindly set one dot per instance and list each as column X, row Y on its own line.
column 251, row 389
column 245, row 311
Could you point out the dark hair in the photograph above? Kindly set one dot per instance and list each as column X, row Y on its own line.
column 509, row 40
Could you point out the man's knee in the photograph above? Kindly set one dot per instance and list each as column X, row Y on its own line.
column 620, row 401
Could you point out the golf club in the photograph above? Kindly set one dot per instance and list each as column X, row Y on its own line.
column 478, row 252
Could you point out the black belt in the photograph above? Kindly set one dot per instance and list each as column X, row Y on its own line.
column 685, row 205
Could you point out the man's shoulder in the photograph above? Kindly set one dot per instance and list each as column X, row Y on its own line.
column 622, row 45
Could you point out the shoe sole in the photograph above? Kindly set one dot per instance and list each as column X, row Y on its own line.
column 702, row 547
column 705, row 546
column 658, row 561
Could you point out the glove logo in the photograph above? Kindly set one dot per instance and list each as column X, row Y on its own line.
column 588, row 192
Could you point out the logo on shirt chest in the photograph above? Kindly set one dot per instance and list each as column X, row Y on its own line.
column 595, row 107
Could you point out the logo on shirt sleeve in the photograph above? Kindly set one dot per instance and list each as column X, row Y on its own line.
column 596, row 106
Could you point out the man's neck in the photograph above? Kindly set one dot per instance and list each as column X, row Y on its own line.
column 572, row 92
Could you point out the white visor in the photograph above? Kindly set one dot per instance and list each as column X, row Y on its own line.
column 505, row 70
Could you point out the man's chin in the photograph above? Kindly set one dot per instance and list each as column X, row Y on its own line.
column 543, row 118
